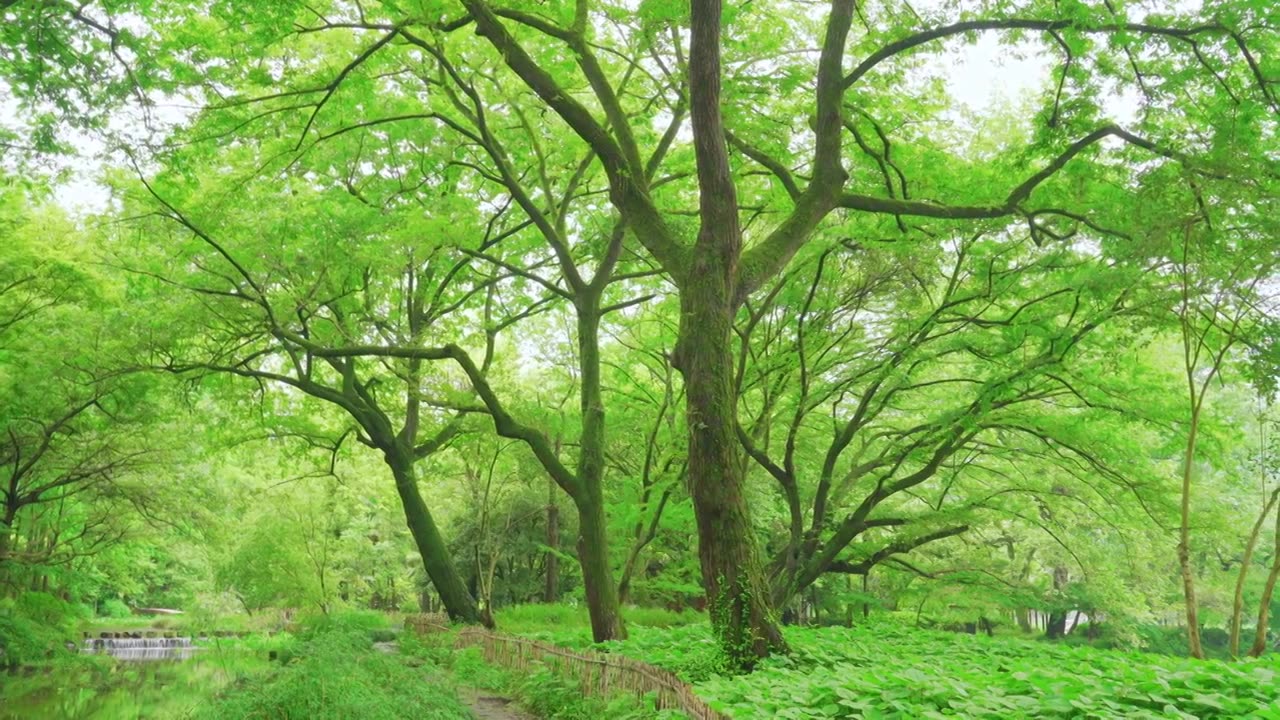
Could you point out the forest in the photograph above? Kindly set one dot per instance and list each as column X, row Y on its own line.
column 515, row 359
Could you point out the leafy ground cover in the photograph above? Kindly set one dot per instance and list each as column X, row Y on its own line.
column 333, row 672
column 888, row 671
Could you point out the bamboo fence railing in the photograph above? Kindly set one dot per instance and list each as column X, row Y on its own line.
column 426, row 623
column 597, row 674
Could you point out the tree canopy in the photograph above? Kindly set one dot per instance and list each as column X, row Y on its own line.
column 700, row 305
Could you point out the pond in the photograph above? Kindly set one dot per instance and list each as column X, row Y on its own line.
column 143, row 684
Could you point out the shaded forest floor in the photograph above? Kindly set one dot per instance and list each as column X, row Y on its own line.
column 884, row 669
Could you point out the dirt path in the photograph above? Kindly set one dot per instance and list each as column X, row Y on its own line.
column 485, row 705
column 492, row 707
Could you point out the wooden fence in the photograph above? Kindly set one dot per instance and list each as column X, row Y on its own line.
column 597, row 674
column 427, row 623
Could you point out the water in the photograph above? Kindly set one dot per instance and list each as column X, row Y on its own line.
column 134, row 649
column 165, row 688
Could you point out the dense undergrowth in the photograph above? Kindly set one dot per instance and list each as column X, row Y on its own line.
column 890, row 671
column 541, row 692
column 35, row 626
column 331, row 671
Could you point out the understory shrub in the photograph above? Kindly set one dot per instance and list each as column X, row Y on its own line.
column 35, row 627
column 888, row 670
column 366, row 622
column 337, row 675
column 550, row 696
column 894, row 672
column 557, row 618
column 114, row 608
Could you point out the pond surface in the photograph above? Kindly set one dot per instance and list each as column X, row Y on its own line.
column 120, row 689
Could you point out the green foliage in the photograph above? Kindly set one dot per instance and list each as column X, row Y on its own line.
column 893, row 672
column 114, row 608
column 970, row 399
column 549, row 695
column 22, row 640
column 348, row 622
column 336, row 675
column 569, row 623
column 35, row 627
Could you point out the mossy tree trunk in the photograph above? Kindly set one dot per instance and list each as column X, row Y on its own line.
column 732, row 571
column 593, row 529
column 457, row 601
column 584, row 484
column 551, row 590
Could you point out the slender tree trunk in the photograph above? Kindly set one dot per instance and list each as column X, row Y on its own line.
column 435, row 555
column 1024, row 619
column 642, row 539
column 551, row 592
column 624, row 580
column 1264, row 605
column 6, row 533
column 732, row 573
column 866, row 605
column 593, row 531
column 1194, row 647
column 848, row 607
column 1237, row 605
column 1056, row 625
column 597, row 575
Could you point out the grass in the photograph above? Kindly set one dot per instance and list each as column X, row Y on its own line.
column 332, row 672
column 548, row 695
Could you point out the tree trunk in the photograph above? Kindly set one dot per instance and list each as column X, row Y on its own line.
column 6, row 533
column 593, row 531
column 1184, row 541
column 848, row 607
column 1056, row 625
column 597, row 576
column 866, row 605
column 1264, row 605
column 732, row 573
column 642, row 539
column 1237, row 606
column 435, row 555
column 551, row 592
column 624, row 581
column 1024, row 619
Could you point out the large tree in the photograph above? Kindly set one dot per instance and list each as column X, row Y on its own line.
column 258, row 290
column 798, row 124
column 932, row 383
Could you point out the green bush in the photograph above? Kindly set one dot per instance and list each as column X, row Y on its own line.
column 336, row 675
column 884, row 671
column 34, row 628
column 22, row 641
column 658, row 617
column 1162, row 640
column 114, row 608
column 436, row 649
column 557, row 618
column 539, row 618
column 550, row 696
column 365, row 622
